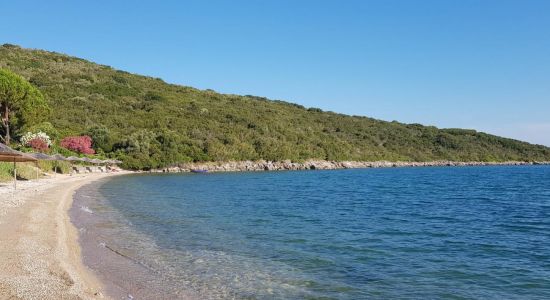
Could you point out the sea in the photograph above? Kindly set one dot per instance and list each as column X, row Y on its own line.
column 388, row 233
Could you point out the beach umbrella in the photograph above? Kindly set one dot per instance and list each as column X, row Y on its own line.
column 110, row 162
column 107, row 163
column 39, row 156
column 88, row 160
column 96, row 161
column 7, row 154
column 58, row 157
column 73, row 159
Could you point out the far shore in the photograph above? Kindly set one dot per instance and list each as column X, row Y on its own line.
column 39, row 250
column 263, row 165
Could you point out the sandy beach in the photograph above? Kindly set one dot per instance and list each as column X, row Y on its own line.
column 39, row 251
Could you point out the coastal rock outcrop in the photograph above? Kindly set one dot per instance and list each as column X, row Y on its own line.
column 262, row 165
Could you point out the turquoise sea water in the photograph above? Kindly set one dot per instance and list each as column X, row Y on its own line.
column 402, row 233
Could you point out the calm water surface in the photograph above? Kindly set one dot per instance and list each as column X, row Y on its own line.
column 405, row 233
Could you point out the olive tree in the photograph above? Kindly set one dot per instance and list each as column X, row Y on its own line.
column 20, row 103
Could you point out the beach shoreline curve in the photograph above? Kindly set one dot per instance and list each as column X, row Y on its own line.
column 40, row 254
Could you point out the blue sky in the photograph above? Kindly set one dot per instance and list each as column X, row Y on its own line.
column 471, row 64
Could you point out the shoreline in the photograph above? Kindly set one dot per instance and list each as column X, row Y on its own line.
column 287, row 165
column 145, row 285
column 125, row 273
column 40, row 253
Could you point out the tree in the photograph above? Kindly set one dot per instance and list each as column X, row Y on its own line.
column 19, row 101
column 47, row 128
column 101, row 138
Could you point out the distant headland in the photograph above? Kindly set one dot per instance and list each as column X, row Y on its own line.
column 150, row 124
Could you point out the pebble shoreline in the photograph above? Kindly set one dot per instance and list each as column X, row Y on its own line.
column 262, row 165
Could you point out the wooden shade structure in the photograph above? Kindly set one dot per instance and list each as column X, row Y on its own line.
column 39, row 156
column 7, row 154
column 112, row 162
column 96, row 161
column 57, row 157
column 74, row 158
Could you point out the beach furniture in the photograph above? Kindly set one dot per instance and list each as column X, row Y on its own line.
column 72, row 159
column 7, row 154
column 57, row 157
column 39, row 156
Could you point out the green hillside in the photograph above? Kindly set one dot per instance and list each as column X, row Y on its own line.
column 149, row 123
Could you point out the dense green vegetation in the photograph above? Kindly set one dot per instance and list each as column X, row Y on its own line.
column 149, row 123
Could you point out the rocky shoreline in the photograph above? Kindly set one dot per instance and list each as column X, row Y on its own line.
column 262, row 165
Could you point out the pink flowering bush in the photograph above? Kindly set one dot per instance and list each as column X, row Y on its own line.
column 81, row 144
column 38, row 144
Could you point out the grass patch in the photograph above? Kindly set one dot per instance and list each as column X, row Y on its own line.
column 27, row 171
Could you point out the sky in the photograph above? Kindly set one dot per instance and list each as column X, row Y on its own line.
column 474, row 64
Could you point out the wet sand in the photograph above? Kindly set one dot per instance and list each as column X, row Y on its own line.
column 127, row 262
column 40, row 257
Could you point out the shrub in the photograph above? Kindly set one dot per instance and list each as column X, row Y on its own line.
column 38, row 141
column 101, row 139
column 24, row 171
column 38, row 145
column 47, row 128
column 80, row 144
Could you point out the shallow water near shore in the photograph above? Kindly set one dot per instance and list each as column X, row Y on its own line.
column 403, row 233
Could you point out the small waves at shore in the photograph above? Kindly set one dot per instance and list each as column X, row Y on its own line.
column 130, row 260
column 86, row 209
